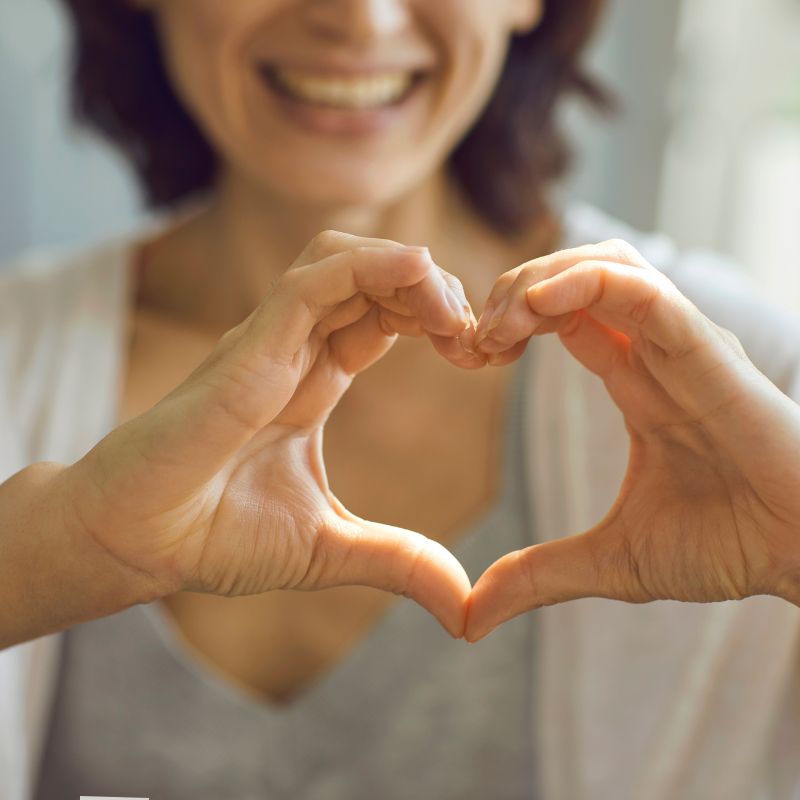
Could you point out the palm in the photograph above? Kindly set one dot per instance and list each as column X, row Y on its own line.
column 696, row 519
column 684, row 526
column 275, row 509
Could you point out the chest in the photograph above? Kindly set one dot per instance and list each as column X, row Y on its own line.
column 414, row 443
column 392, row 721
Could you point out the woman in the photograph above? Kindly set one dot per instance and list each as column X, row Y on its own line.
column 411, row 127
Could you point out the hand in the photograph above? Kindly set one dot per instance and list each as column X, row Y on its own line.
column 710, row 506
column 221, row 486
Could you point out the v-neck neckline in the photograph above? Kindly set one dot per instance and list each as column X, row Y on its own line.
column 332, row 683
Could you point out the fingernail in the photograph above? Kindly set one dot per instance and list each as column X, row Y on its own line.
column 494, row 360
column 468, row 348
column 493, row 321
column 497, row 316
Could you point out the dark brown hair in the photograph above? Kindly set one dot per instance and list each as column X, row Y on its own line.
column 504, row 164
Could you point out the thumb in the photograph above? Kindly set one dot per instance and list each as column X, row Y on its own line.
column 359, row 552
column 542, row 575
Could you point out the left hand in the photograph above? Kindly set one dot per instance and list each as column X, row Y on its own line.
column 709, row 508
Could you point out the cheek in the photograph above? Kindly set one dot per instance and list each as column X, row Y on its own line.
column 202, row 44
column 473, row 40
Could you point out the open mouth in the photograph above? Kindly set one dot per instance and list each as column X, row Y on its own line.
column 343, row 92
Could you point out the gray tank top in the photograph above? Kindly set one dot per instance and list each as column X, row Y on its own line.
column 409, row 713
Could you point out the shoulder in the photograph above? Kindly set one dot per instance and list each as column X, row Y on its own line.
column 585, row 224
column 59, row 312
column 48, row 297
column 31, row 282
column 717, row 285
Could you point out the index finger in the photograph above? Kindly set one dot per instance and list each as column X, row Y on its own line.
column 305, row 295
column 634, row 301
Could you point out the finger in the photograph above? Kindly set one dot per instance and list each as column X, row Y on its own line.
column 508, row 356
column 358, row 552
column 499, row 290
column 423, row 301
column 393, row 322
column 520, row 328
column 361, row 344
column 354, row 339
column 330, row 242
column 516, row 281
column 437, row 300
column 641, row 303
column 303, row 296
column 353, row 348
column 546, row 574
column 344, row 314
column 395, row 303
column 514, row 321
column 609, row 355
column 458, row 351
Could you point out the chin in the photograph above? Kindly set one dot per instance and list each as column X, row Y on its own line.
column 359, row 186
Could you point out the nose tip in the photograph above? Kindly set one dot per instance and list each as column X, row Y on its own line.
column 357, row 19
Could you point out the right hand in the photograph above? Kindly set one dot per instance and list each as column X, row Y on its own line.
column 221, row 486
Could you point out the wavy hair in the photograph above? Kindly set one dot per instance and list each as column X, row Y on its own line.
column 504, row 164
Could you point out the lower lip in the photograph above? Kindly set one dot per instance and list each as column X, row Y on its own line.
column 342, row 122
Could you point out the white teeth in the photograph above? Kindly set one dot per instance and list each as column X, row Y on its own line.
column 346, row 92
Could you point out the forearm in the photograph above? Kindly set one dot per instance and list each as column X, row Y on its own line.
column 52, row 575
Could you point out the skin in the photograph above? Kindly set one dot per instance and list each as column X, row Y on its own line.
column 709, row 508
column 216, row 482
column 269, row 203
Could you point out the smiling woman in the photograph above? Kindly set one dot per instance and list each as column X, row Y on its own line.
column 218, row 524
column 504, row 159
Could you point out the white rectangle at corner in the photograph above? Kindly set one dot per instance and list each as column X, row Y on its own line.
column 92, row 797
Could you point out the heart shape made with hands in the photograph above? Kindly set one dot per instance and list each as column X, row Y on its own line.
column 246, row 508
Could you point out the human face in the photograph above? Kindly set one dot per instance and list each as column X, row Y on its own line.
column 336, row 102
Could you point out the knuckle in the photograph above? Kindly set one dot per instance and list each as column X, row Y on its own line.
column 527, row 563
column 622, row 250
column 294, row 287
column 327, row 238
column 421, row 552
column 324, row 243
column 452, row 281
column 289, row 284
column 731, row 340
column 641, row 309
column 385, row 325
column 448, row 277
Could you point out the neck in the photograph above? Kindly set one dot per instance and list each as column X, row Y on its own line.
column 215, row 268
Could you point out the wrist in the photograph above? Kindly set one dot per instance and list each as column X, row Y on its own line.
column 122, row 584
column 52, row 574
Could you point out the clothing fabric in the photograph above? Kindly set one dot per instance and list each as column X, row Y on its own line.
column 409, row 713
column 654, row 702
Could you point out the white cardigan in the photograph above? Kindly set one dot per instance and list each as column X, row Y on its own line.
column 665, row 701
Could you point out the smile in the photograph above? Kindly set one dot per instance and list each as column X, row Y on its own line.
column 344, row 92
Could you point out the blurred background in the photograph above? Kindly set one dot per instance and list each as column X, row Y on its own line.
column 706, row 149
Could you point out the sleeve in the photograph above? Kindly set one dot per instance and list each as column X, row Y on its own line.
column 36, row 298
column 12, row 457
column 718, row 286
column 769, row 332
